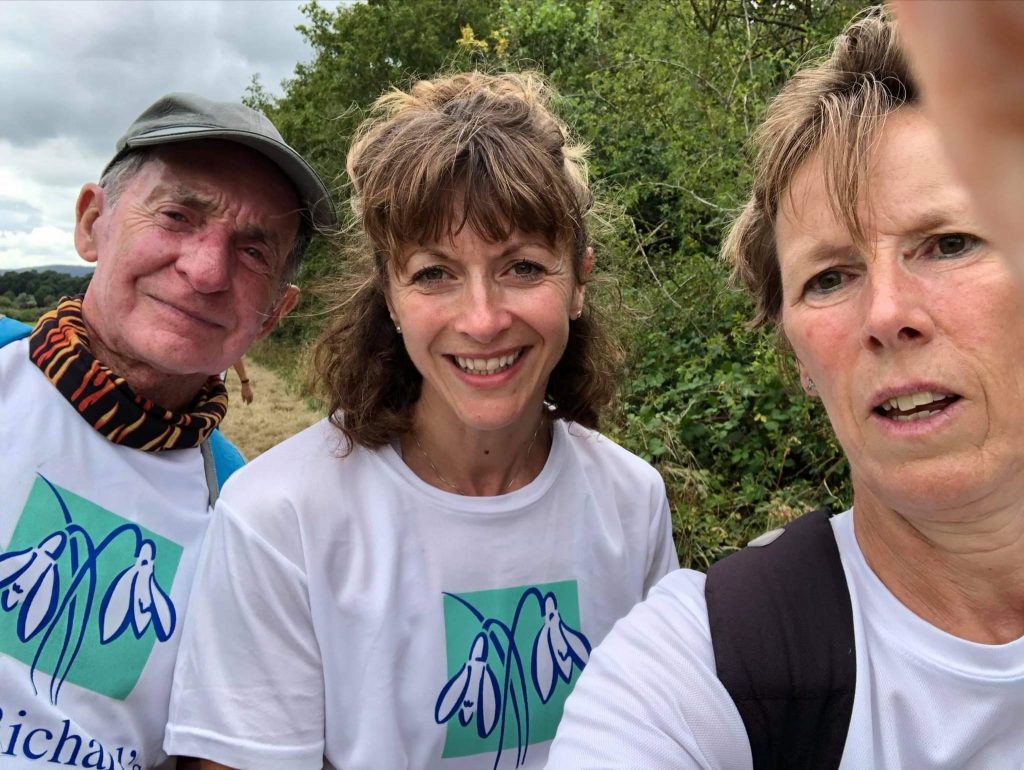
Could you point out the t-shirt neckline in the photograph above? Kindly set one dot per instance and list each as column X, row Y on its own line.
column 497, row 504
column 915, row 635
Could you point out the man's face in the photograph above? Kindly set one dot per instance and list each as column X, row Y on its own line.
column 189, row 260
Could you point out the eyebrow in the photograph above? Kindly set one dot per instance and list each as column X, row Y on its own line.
column 256, row 233
column 824, row 252
column 186, row 196
column 432, row 253
column 932, row 220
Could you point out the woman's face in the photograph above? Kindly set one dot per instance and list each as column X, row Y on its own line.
column 484, row 323
column 914, row 343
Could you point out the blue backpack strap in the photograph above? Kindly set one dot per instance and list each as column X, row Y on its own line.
column 782, row 630
column 11, row 330
column 226, row 458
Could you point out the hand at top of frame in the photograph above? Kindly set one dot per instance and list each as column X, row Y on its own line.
column 968, row 57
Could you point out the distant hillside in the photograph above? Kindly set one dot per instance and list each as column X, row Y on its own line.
column 75, row 270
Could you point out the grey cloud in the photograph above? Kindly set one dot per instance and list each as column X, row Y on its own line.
column 86, row 69
column 18, row 215
column 73, row 75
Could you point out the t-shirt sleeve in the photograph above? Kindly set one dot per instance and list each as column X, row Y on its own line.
column 664, row 557
column 649, row 697
column 248, row 685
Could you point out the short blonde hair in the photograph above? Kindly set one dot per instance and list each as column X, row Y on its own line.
column 834, row 107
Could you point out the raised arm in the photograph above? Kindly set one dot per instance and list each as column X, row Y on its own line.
column 969, row 58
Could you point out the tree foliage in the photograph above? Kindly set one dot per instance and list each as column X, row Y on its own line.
column 666, row 93
column 359, row 52
column 38, row 288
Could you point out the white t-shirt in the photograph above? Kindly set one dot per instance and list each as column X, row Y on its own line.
column 924, row 699
column 348, row 613
column 87, row 645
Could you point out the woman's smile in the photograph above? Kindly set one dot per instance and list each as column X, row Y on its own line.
column 489, row 364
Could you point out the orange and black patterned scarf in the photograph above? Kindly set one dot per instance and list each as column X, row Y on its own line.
column 59, row 346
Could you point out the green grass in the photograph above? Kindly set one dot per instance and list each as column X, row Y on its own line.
column 25, row 315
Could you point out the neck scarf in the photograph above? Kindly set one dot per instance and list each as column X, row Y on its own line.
column 59, row 346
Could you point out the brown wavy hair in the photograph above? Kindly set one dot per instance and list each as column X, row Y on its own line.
column 836, row 108
column 491, row 147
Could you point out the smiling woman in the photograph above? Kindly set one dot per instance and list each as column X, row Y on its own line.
column 484, row 324
column 418, row 581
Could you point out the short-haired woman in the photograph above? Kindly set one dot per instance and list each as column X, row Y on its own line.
column 892, row 635
column 417, row 581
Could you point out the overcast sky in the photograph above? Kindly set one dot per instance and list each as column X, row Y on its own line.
column 73, row 76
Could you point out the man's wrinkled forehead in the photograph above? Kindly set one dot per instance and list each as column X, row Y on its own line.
column 227, row 159
column 208, row 203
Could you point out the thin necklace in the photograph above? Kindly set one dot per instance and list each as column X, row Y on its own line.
column 440, row 476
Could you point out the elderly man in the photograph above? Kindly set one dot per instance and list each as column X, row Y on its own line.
column 108, row 411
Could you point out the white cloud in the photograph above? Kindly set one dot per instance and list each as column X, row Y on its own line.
column 73, row 75
column 46, row 178
column 43, row 245
column 37, row 201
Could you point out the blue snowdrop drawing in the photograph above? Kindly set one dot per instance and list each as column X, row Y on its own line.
column 53, row 588
column 30, row 578
column 558, row 648
column 488, row 693
column 135, row 598
column 473, row 692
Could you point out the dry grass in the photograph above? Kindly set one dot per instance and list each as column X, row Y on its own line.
column 274, row 414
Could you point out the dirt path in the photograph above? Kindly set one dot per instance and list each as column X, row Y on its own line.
column 274, row 414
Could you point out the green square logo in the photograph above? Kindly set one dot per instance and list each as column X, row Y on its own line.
column 514, row 655
column 90, row 595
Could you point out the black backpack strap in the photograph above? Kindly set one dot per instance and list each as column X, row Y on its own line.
column 782, row 630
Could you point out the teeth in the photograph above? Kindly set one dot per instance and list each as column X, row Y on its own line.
column 908, row 402
column 487, row 365
column 915, row 416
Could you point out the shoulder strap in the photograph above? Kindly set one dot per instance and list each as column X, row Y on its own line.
column 11, row 330
column 782, row 630
column 220, row 459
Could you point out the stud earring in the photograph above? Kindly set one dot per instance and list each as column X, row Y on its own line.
column 578, row 315
column 398, row 328
column 811, row 387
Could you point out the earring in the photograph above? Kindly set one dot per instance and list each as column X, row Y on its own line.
column 398, row 328
column 579, row 313
column 811, row 387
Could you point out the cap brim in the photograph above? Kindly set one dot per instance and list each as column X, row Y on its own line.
column 312, row 191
